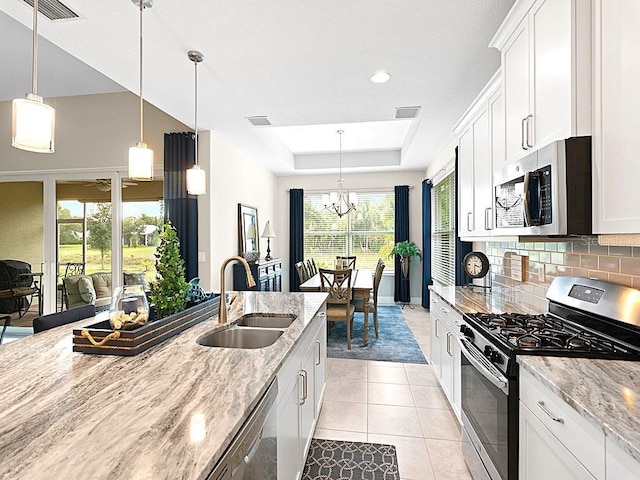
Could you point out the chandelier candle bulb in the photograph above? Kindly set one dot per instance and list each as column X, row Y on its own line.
column 339, row 202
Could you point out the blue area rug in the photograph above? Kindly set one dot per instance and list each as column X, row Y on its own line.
column 396, row 342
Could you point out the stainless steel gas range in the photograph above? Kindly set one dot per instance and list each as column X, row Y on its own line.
column 586, row 318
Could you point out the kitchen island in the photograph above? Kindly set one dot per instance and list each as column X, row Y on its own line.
column 167, row 413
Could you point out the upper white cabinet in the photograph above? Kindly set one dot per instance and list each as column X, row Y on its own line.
column 616, row 195
column 481, row 135
column 546, row 63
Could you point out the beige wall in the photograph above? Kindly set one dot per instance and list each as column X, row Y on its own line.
column 91, row 131
column 21, row 220
column 355, row 182
column 233, row 178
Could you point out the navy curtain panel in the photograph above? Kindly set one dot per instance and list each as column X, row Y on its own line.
column 462, row 248
column 426, row 241
column 296, row 235
column 401, row 291
column 180, row 208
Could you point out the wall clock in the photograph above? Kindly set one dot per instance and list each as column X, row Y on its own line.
column 475, row 264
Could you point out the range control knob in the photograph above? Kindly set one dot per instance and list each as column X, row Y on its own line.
column 466, row 331
column 488, row 350
column 495, row 357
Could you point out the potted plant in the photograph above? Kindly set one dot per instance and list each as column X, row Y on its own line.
column 170, row 291
column 405, row 250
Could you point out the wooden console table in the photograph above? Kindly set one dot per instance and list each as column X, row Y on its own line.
column 267, row 274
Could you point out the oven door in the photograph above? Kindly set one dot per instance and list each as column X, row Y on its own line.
column 485, row 414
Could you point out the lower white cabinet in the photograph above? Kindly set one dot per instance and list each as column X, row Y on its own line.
column 301, row 383
column 542, row 455
column 445, row 352
column 556, row 442
column 619, row 464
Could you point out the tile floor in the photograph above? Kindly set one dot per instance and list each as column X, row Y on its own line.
column 399, row 404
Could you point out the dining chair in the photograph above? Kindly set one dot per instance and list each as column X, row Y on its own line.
column 311, row 267
column 72, row 269
column 337, row 283
column 301, row 269
column 358, row 302
column 53, row 320
column 345, row 262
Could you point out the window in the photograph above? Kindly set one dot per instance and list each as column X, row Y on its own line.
column 367, row 232
column 443, row 233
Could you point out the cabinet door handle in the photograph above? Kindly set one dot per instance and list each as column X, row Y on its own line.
column 468, row 222
column 322, row 314
column 487, row 215
column 522, row 133
column 444, row 310
column 303, row 374
column 318, row 345
column 551, row 415
column 449, row 344
column 437, row 335
column 527, row 118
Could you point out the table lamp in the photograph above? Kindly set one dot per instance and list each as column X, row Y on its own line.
column 268, row 234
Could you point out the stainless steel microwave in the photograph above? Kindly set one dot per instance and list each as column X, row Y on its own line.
column 548, row 192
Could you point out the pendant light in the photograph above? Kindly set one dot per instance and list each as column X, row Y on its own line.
column 338, row 202
column 141, row 157
column 33, row 123
column 196, row 177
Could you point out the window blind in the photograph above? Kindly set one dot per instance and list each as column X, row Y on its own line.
column 443, row 231
column 366, row 232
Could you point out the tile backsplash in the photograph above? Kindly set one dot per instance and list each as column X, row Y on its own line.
column 580, row 257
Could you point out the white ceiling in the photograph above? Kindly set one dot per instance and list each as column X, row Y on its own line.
column 299, row 63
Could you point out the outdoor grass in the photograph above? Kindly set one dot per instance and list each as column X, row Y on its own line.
column 135, row 259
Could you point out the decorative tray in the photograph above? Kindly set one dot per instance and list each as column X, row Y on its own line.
column 99, row 338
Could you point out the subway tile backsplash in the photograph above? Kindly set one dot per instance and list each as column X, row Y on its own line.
column 580, row 257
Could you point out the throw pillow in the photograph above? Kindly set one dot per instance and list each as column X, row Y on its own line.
column 87, row 292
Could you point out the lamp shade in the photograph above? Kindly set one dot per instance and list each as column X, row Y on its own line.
column 33, row 125
column 268, row 231
column 196, row 181
column 140, row 162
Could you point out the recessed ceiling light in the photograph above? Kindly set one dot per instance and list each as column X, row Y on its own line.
column 380, row 77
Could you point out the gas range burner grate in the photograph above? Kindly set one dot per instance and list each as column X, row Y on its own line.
column 543, row 332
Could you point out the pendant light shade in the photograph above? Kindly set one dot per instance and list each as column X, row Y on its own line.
column 196, row 177
column 33, row 122
column 140, row 156
column 140, row 162
column 196, row 181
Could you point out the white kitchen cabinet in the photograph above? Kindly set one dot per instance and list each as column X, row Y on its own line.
column 542, row 455
column 445, row 352
column 301, row 383
column 546, row 60
column 475, row 170
column 496, row 116
column 620, row 464
column 617, row 117
column 555, row 440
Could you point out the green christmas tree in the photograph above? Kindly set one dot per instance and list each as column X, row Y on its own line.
column 169, row 292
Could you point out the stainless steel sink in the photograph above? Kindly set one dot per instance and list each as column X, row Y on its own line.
column 240, row 338
column 266, row 320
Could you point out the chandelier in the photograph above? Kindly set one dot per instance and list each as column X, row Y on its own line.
column 339, row 202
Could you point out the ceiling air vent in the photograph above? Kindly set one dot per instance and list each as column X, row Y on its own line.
column 53, row 9
column 259, row 121
column 406, row 112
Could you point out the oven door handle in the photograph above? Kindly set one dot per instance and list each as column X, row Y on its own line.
column 483, row 365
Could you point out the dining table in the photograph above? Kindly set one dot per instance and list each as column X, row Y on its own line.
column 361, row 286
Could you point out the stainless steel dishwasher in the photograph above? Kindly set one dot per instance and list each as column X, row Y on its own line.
column 252, row 454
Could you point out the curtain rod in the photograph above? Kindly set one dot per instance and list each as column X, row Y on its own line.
column 370, row 189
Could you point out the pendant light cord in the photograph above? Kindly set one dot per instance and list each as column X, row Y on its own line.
column 34, row 65
column 196, row 110
column 141, row 101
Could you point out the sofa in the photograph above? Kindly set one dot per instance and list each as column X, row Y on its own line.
column 94, row 289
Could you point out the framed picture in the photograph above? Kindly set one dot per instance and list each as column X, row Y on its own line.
column 248, row 231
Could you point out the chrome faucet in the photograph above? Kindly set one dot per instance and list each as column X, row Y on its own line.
column 222, row 316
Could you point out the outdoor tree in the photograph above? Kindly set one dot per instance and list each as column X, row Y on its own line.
column 99, row 227
column 70, row 233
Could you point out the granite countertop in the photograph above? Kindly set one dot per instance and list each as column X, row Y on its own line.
column 80, row 416
column 472, row 300
column 606, row 392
